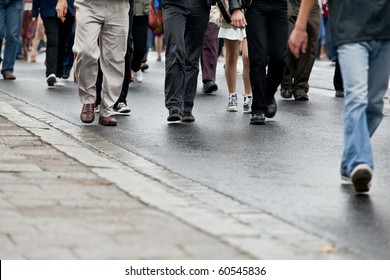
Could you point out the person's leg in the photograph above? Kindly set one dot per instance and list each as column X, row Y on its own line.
column 51, row 29
column 87, row 51
column 245, row 69
column 231, row 58
column 40, row 35
column 158, row 43
column 140, row 37
column 378, row 74
column 113, row 43
column 354, row 63
column 64, row 31
column 13, row 19
column 287, row 81
column 194, row 36
column 175, row 57
column 209, row 56
column 247, row 106
column 69, row 55
column 277, row 37
column 256, row 31
column 338, row 80
column 306, row 61
column 129, row 53
column 277, row 53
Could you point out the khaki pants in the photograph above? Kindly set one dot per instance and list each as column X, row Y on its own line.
column 106, row 21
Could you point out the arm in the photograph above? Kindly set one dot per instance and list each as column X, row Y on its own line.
column 62, row 9
column 238, row 18
column 298, row 37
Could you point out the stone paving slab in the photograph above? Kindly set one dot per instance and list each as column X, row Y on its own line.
column 86, row 198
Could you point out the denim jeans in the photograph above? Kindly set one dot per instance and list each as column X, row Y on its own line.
column 365, row 70
column 11, row 14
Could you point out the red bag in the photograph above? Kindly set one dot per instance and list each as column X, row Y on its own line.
column 153, row 19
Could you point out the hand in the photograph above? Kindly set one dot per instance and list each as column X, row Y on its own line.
column 298, row 41
column 62, row 9
column 238, row 19
column 34, row 18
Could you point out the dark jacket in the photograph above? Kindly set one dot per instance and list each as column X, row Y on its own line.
column 47, row 8
column 355, row 21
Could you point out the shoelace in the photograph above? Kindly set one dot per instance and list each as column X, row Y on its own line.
column 233, row 99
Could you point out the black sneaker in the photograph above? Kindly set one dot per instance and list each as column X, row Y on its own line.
column 257, row 119
column 187, row 117
column 174, row 116
column 271, row 108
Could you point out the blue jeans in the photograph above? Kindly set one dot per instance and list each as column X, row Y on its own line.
column 365, row 70
column 11, row 15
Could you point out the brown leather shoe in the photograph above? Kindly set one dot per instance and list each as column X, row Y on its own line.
column 9, row 76
column 88, row 113
column 108, row 121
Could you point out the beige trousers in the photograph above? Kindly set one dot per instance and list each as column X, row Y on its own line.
column 105, row 21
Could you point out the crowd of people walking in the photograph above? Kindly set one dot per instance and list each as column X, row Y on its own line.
column 107, row 41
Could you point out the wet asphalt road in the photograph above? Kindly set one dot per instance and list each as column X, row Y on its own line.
column 288, row 167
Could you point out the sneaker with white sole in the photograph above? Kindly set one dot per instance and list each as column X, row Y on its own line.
column 361, row 177
column 122, row 108
column 51, row 80
column 59, row 82
column 97, row 108
column 247, row 107
column 232, row 105
column 138, row 76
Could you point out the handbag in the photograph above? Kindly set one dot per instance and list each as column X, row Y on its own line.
column 153, row 19
column 224, row 13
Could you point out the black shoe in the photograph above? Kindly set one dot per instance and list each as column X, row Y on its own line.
column 174, row 116
column 209, row 87
column 257, row 119
column 271, row 108
column 187, row 117
column 286, row 93
column 65, row 75
column 301, row 95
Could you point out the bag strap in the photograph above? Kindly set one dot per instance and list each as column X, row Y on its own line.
column 224, row 13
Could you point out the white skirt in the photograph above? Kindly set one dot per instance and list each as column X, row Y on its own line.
column 232, row 33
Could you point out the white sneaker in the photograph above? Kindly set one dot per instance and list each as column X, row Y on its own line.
column 138, row 76
column 51, row 80
column 247, row 107
column 232, row 105
column 59, row 82
column 361, row 177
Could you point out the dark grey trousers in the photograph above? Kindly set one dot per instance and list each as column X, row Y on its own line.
column 184, row 29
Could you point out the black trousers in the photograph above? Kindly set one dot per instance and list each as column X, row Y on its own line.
column 184, row 29
column 267, row 33
column 337, row 78
column 140, row 40
column 56, row 34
